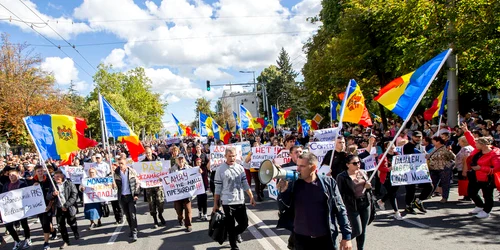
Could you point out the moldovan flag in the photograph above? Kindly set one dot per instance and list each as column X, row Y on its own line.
column 56, row 136
column 334, row 110
column 258, row 123
column 305, row 127
column 355, row 109
column 119, row 129
column 246, row 118
column 237, row 127
column 205, row 125
column 403, row 94
column 437, row 108
column 275, row 116
column 283, row 116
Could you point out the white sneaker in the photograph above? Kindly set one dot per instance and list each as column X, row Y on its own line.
column 205, row 217
column 381, row 205
column 27, row 244
column 398, row 216
column 476, row 210
column 17, row 245
column 482, row 215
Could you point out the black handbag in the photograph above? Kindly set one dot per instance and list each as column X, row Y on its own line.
column 105, row 210
column 217, row 227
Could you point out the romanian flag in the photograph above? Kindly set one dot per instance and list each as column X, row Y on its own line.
column 205, row 125
column 118, row 128
column 56, row 136
column 283, row 116
column 275, row 116
column 334, row 110
column 355, row 109
column 246, row 118
column 237, row 127
column 180, row 128
column 402, row 95
column 438, row 105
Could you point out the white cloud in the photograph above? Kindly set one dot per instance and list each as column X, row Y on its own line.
column 211, row 72
column 63, row 69
column 172, row 99
column 66, row 27
column 116, row 58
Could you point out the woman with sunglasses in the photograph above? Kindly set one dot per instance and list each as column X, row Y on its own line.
column 358, row 204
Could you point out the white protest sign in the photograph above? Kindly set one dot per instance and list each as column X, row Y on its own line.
column 183, row 184
column 327, row 134
column 98, row 190
column 86, row 167
column 323, row 170
column 21, row 203
column 217, row 155
column 409, row 169
column 319, row 149
column 271, row 186
column 75, row 174
column 369, row 161
column 245, row 147
column 283, row 157
column 150, row 173
column 259, row 154
column 174, row 140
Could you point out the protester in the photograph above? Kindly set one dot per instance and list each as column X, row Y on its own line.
column 309, row 213
column 128, row 192
column 17, row 183
column 155, row 196
column 117, row 209
column 102, row 168
column 182, row 207
column 385, row 178
column 461, row 161
column 92, row 211
column 201, row 199
column 440, row 163
column 259, row 187
column 339, row 158
column 65, row 197
column 230, row 183
column 484, row 161
column 45, row 218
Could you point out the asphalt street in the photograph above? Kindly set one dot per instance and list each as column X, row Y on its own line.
column 445, row 226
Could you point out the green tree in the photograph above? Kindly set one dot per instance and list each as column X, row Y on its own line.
column 203, row 106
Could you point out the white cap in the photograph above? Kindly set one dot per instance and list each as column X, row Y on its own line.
column 98, row 156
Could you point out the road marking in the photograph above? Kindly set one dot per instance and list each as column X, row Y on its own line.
column 270, row 234
column 418, row 224
column 115, row 235
column 258, row 236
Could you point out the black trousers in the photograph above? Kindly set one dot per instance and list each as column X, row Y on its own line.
column 235, row 213
column 488, row 188
column 129, row 209
column 259, row 187
column 45, row 220
column 63, row 218
column 303, row 242
column 391, row 194
column 201, row 199
column 411, row 189
column 117, row 210
column 13, row 232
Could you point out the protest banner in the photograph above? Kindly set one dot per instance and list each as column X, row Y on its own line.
column 319, row 149
column 409, row 169
column 173, row 140
column 183, row 184
column 86, row 167
column 245, row 147
column 217, row 155
column 259, row 154
column 21, row 203
column 98, row 190
column 370, row 162
column 75, row 174
column 150, row 173
column 327, row 134
column 283, row 157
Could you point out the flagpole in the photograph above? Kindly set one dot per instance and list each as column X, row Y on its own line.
column 105, row 138
column 331, row 115
column 199, row 121
column 342, row 109
column 42, row 160
column 238, row 121
column 408, row 117
column 272, row 117
column 439, row 124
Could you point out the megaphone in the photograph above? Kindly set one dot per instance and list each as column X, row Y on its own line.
column 269, row 171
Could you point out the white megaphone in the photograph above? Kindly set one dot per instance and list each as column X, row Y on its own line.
column 269, row 171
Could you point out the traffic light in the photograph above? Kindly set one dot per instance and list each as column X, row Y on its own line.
column 208, row 85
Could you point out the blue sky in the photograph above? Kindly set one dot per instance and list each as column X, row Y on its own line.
column 180, row 43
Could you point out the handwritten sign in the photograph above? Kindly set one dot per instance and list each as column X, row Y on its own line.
column 98, row 190
column 328, row 134
column 183, row 184
column 75, row 174
column 245, row 147
column 150, row 172
column 283, row 157
column 369, row 161
column 259, row 154
column 321, row 148
column 21, row 203
column 217, row 155
column 87, row 166
column 170, row 141
column 409, row 169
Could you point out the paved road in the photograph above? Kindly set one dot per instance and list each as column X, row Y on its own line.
column 445, row 226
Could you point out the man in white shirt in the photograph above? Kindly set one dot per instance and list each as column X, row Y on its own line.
column 102, row 167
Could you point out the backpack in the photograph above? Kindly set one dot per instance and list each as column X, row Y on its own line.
column 217, row 228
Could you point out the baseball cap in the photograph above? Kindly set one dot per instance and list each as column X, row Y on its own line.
column 180, row 156
column 417, row 134
column 98, row 156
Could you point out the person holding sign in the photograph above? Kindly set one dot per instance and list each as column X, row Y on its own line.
column 311, row 214
column 440, row 166
column 385, row 179
column 338, row 163
column 92, row 211
column 154, row 195
column 65, row 206
column 17, row 183
column 230, row 183
column 128, row 192
column 45, row 218
column 184, row 205
column 358, row 204
column 201, row 199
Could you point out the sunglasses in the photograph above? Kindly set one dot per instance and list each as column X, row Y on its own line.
column 355, row 163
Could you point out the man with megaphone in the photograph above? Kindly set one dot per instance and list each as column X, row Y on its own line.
column 310, row 206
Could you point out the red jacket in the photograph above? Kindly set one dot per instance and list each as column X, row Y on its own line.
column 489, row 163
column 383, row 170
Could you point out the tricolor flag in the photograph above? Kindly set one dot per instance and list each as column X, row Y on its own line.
column 57, row 136
column 245, row 118
column 402, row 95
column 258, row 123
column 205, row 125
column 438, row 105
column 237, row 127
column 299, row 126
column 305, row 127
column 283, row 116
column 334, row 110
column 275, row 116
column 119, row 129
column 355, row 109
column 180, row 127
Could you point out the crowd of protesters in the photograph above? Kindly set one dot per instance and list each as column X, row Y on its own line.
column 464, row 152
